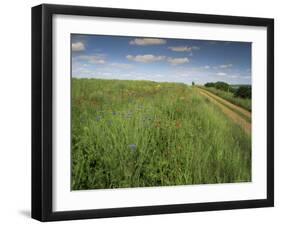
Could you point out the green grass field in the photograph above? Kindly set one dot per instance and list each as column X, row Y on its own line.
column 245, row 103
column 140, row 134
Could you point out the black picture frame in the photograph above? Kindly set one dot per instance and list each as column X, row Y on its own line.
column 42, row 85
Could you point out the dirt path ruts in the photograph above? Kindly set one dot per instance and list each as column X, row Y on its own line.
column 230, row 113
column 227, row 103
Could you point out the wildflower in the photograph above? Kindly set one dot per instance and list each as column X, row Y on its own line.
column 158, row 124
column 133, row 147
column 82, row 119
column 147, row 118
column 128, row 115
column 178, row 124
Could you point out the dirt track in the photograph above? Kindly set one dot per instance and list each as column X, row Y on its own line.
column 227, row 107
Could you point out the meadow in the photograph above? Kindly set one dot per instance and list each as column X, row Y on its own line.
column 141, row 134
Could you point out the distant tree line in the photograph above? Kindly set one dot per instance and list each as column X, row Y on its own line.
column 243, row 91
column 220, row 85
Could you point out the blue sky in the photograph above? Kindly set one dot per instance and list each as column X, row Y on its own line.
column 160, row 59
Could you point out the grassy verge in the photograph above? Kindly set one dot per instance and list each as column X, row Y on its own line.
column 244, row 103
column 248, row 119
column 140, row 134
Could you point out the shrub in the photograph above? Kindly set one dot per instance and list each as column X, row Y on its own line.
column 243, row 92
column 210, row 84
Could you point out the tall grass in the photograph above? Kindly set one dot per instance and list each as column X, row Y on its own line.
column 139, row 134
column 245, row 103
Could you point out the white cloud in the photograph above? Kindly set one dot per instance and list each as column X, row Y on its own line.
column 78, row 46
column 183, row 48
column 121, row 65
column 176, row 61
column 93, row 59
column 221, row 74
column 147, row 41
column 225, row 65
column 206, row 67
column 195, row 47
column 180, row 48
column 147, row 58
column 81, row 71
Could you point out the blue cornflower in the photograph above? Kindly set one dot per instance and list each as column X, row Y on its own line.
column 147, row 118
column 128, row 115
column 82, row 119
column 133, row 147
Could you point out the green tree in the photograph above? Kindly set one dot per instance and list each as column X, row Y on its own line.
column 210, row 84
column 222, row 86
column 243, row 92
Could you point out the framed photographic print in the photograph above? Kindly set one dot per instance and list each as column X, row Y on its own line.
column 145, row 112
